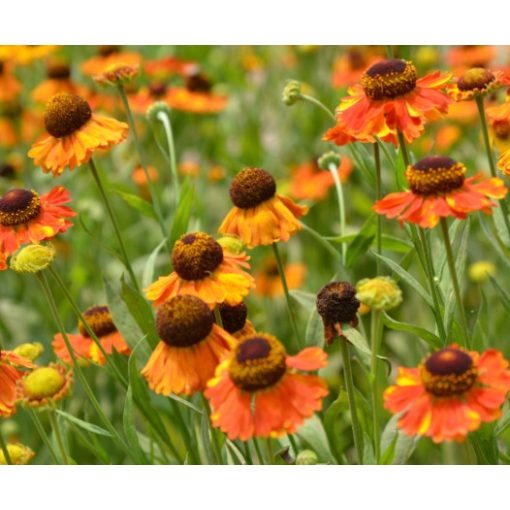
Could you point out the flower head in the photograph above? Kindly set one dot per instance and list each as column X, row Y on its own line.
column 268, row 282
column 12, row 368
column 74, row 133
column 202, row 267
column 260, row 216
column 108, row 56
column 440, row 189
column 33, row 258
column 260, row 391
column 116, row 74
column 450, row 394
column 18, row 453
column 380, row 293
column 191, row 347
column 30, row 351
column 474, row 82
column 481, row 271
column 291, row 93
column 234, row 319
column 337, row 304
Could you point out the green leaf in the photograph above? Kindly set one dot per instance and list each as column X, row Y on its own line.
column 314, row 335
column 130, row 428
column 137, row 203
column 337, row 426
column 396, row 447
column 433, row 340
column 312, row 431
column 408, row 278
column 505, row 298
column 85, row 425
column 356, row 339
column 400, row 170
column 306, row 299
column 391, row 243
column 148, row 271
column 361, row 242
column 182, row 216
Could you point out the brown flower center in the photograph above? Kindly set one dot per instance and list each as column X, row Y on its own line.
column 476, row 79
column 19, row 206
column 65, row 114
column 7, row 171
column 107, row 50
column 198, row 83
column 251, row 187
column 389, row 79
column 501, row 129
column 357, row 59
column 196, row 255
column 448, row 372
column 233, row 317
column 58, row 72
column 258, row 362
column 99, row 320
column 157, row 89
column 184, row 321
column 435, row 174
column 337, row 303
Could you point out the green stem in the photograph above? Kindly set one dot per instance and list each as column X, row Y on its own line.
column 327, row 245
column 349, row 386
column 212, row 432
column 455, row 280
column 490, row 156
column 5, row 450
column 270, row 454
column 341, row 204
column 164, row 118
column 43, row 435
column 378, row 196
column 217, row 316
column 389, row 51
column 376, row 334
column 141, row 155
column 60, row 325
column 258, row 452
column 403, row 148
column 58, row 436
column 292, row 316
column 113, row 219
column 316, row 102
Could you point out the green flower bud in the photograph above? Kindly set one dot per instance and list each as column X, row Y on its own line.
column 33, row 258
column 306, row 458
column 380, row 293
column 329, row 158
column 29, row 350
column 155, row 109
column 292, row 92
column 231, row 243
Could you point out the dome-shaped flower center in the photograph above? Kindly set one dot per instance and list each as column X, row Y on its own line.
column 58, row 72
column 448, row 372
column 337, row 302
column 43, row 382
column 389, row 79
column 198, row 83
column 476, row 78
column 7, row 170
column 184, row 321
column 19, row 206
column 196, row 255
column 258, row 362
column 65, row 114
column 357, row 59
column 233, row 317
column 99, row 320
column 501, row 129
column 157, row 89
column 435, row 174
column 251, row 187
column 107, row 50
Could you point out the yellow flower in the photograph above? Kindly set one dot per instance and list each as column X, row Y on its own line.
column 33, row 258
column 31, row 350
column 18, row 453
column 380, row 293
column 480, row 271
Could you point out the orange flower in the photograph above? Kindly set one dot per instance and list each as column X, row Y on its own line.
column 450, row 394
column 191, row 347
column 439, row 189
column 351, row 65
column 390, row 98
column 74, row 133
column 268, row 282
column 9, row 86
column 196, row 96
column 58, row 80
column 498, row 118
column 168, row 66
column 8, row 136
column 203, row 268
column 464, row 112
column 10, row 372
column 261, row 391
column 312, row 183
column 100, row 321
column 109, row 56
column 146, row 96
column 260, row 216
column 26, row 217
column 476, row 81
column 465, row 57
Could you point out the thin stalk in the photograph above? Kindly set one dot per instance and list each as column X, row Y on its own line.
column 349, row 386
column 378, row 196
column 5, row 450
column 247, row 453
column 455, row 280
column 327, row 245
column 376, row 334
column 341, row 204
column 257, row 450
column 490, row 156
column 115, row 224
column 43, row 435
column 403, row 147
column 56, row 316
column 217, row 316
column 132, row 125
column 318, row 103
column 56, row 430
column 290, row 309
column 212, row 433
column 270, row 454
column 164, row 118
column 293, row 442
column 183, row 428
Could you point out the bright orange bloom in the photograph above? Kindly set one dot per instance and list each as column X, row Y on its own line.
column 465, row 57
column 10, row 87
column 26, row 54
column 498, row 118
column 351, row 65
column 476, row 81
column 168, row 66
column 390, row 98
column 74, row 134
column 261, row 391
column 450, row 394
column 268, row 282
column 439, row 189
column 203, row 268
column 260, row 215
column 191, row 347
column 26, row 217
column 140, row 101
column 10, row 372
column 109, row 56
column 99, row 320
column 309, row 182
column 8, row 135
